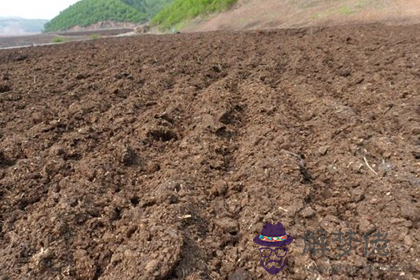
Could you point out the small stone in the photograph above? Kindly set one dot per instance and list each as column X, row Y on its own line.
column 323, row 150
column 387, row 154
column 308, row 212
column 344, row 72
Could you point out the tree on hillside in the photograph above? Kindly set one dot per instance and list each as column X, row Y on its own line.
column 148, row 7
column 87, row 12
column 181, row 10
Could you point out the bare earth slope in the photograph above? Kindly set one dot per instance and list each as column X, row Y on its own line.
column 161, row 157
column 269, row 14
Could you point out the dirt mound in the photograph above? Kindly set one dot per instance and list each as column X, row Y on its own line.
column 161, row 157
column 269, row 14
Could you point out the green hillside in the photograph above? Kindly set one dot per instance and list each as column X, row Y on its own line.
column 148, row 7
column 87, row 12
column 181, row 10
column 166, row 13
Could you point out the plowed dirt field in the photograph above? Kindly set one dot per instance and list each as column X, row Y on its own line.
column 162, row 157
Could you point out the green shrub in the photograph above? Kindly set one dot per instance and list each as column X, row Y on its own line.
column 148, row 7
column 59, row 40
column 181, row 10
column 95, row 36
column 344, row 10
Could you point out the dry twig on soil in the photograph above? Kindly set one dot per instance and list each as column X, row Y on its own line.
column 367, row 164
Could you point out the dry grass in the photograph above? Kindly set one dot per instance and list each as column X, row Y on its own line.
column 266, row 14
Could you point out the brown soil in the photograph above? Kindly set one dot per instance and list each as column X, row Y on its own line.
column 161, row 157
column 15, row 41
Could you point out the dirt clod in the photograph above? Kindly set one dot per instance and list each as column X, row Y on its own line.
column 410, row 211
column 323, row 150
column 129, row 157
column 229, row 225
column 307, row 212
column 239, row 274
column 4, row 88
column 152, row 266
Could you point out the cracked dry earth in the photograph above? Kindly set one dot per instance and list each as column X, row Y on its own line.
column 161, row 157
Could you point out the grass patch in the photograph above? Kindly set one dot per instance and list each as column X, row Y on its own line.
column 344, row 10
column 316, row 16
column 57, row 40
column 182, row 10
column 95, row 37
